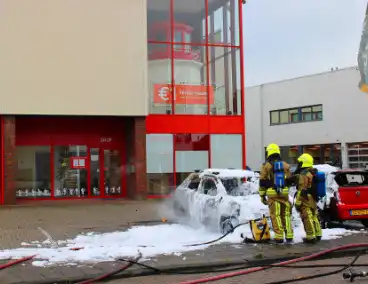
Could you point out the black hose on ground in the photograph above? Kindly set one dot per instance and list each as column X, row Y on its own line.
column 223, row 236
column 199, row 269
column 208, row 269
column 320, row 274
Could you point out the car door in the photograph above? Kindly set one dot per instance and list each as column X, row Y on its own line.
column 208, row 189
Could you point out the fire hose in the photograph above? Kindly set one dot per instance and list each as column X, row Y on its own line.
column 295, row 260
column 117, row 274
column 208, row 268
column 15, row 262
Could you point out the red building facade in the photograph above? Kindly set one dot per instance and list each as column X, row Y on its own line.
column 196, row 77
column 196, row 118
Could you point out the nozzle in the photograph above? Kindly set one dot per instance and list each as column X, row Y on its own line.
column 352, row 274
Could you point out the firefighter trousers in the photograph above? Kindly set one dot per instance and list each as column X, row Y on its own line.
column 312, row 226
column 280, row 213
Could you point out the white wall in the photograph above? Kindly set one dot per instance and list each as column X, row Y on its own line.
column 344, row 112
column 65, row 57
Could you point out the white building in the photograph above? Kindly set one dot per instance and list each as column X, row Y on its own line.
column 324, row 114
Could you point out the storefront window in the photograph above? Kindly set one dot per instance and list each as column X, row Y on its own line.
column 70, row 171
column 188, row 18
column 226, row 151
column 224, row 69
column 223, row 23
column 160, row 167
column 191, row 153
column 159, row 78
column 33, row 177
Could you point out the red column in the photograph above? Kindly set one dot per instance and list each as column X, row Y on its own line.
column 8, row 160
column 136, row 153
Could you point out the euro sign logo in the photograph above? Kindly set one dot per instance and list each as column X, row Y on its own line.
column 163, row 93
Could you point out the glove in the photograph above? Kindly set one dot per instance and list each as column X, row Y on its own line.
column 291, row 181
column 266, row 183
column 264, row 200
column 298, row 207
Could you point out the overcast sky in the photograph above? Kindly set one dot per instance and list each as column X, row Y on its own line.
column 290, row 38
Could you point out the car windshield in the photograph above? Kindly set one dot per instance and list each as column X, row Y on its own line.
column 230, row 184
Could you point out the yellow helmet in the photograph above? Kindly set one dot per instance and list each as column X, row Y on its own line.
column 272, row 149
column 306, row 161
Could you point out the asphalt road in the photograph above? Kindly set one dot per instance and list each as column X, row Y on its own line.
column 268, row 276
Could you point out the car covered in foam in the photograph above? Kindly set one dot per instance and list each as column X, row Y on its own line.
column 215, row 197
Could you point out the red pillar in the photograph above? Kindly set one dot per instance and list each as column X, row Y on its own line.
column 9, row 165
column 136, row 153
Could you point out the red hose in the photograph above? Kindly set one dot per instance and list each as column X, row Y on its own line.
column 295, row 260
column 15, row 262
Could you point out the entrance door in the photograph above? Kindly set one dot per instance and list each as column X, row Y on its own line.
column 111, row 175
column 95, row 167
column 70, row 171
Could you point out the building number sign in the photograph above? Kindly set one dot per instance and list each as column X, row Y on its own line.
column 105, row 139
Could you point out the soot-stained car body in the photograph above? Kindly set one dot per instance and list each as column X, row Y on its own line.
column 212, row 196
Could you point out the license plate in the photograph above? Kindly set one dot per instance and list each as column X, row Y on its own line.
column 359, row 212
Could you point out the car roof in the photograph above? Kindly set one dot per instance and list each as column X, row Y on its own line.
column 352, row 171
column 228, row 173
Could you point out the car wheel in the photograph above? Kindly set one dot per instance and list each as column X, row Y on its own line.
column 365, row 223
column 227, row 224
column 179, row 211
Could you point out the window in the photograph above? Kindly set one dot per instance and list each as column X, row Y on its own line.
column 160, row 167
column 306, row 114
column 226, row 151
column 33, row 177
column 317, row 112
column 358, row 155
column 294, row 115
column 284, row 116
column 224, row 73
column 275, row 117
column 191, row 153
column 209, row 187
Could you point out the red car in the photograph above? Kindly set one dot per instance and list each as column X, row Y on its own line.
column 350, row 199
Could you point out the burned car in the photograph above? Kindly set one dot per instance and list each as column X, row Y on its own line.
column 348, row 199
column 208, row 196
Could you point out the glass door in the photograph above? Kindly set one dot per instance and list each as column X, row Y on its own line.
column 112, row 169
column 71, row 171
column 95, row 172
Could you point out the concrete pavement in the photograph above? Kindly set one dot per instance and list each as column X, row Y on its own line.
column 268, row 276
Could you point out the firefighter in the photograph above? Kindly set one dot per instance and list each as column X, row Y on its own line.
column 306, row 203
column 277, row 199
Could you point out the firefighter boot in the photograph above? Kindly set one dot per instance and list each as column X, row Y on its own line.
column 318, row 238
column 277, row 241
column 289, row 241
column 309, row 241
